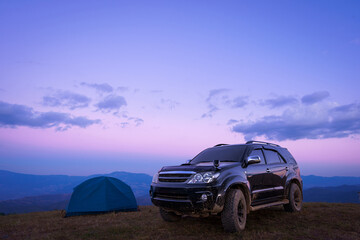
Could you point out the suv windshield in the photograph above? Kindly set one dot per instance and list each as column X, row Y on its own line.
column 224, row 154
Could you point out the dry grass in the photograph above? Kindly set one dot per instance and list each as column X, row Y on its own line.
column 316, row 221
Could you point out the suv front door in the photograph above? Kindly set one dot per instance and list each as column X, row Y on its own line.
column 255, row 176
column 275, row 178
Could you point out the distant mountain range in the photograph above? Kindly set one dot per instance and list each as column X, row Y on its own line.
column 21, row 193
column 311, row 181
column 19, row 185
column 339, row 194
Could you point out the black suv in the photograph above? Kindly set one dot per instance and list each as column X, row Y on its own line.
column 230, row 180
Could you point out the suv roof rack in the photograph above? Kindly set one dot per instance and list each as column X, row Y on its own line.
column 221, row 144
column 260, row 142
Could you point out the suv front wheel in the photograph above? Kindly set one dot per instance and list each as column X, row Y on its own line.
column 233, row 217
column 295, row 199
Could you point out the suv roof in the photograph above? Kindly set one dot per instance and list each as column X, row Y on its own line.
column 250, row 142
column 283, row 151
column 260, row 142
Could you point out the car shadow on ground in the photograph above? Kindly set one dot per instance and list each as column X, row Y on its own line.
column 265, row 218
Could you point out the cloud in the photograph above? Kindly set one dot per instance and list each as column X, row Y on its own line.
column 280, row 101
column 305, row 123
column 214, row 98
column 215, row 92
column 103, row 87
column 232, row 121
column 344, row 108
column 218, row 99
column 66, row 99
column 14, row 115
column 239, row 102
column 314, row 97
column 136, row 120
column 122, row 89
column 210, row 112
column 124, row 124
column 131, row 121
column 169, row 103
column 111, row 102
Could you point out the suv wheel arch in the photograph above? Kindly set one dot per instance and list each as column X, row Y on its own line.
column 296, row 181
column 243, row 187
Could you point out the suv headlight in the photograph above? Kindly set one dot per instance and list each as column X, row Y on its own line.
column 155, row 178
column 206, row 177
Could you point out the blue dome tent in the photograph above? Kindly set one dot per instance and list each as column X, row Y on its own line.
column 100, row 195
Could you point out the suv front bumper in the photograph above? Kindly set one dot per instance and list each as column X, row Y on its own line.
column 184, row 199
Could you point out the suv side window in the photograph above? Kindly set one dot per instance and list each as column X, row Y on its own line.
column 271, row 157
column 258, row 152
column 281, row 158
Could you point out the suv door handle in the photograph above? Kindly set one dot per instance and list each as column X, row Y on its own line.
column 268, row 170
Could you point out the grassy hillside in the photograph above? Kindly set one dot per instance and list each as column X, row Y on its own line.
column 316, row 221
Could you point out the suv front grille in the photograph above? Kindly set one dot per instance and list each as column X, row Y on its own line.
column 172, row 196
column 173, row 176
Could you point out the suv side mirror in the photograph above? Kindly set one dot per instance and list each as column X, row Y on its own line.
column 253, row 160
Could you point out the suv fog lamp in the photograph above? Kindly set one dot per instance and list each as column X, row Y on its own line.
column 204, row 197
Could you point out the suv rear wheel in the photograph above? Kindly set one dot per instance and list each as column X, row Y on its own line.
column 169, row 216
column 233, row 217
column 295, row 199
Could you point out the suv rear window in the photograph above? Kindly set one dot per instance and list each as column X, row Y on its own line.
column 271, row 157
column 224, row 153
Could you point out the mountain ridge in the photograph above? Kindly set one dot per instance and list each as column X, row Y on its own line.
column 310, row 181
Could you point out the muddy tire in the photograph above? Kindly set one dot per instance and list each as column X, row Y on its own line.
column 295, row 199
column 169, row 216
column 233, row 217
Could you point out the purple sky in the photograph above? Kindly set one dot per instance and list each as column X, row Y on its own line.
column 101, row 86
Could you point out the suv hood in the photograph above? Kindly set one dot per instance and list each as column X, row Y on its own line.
column 193, row 168
column 201, row 167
